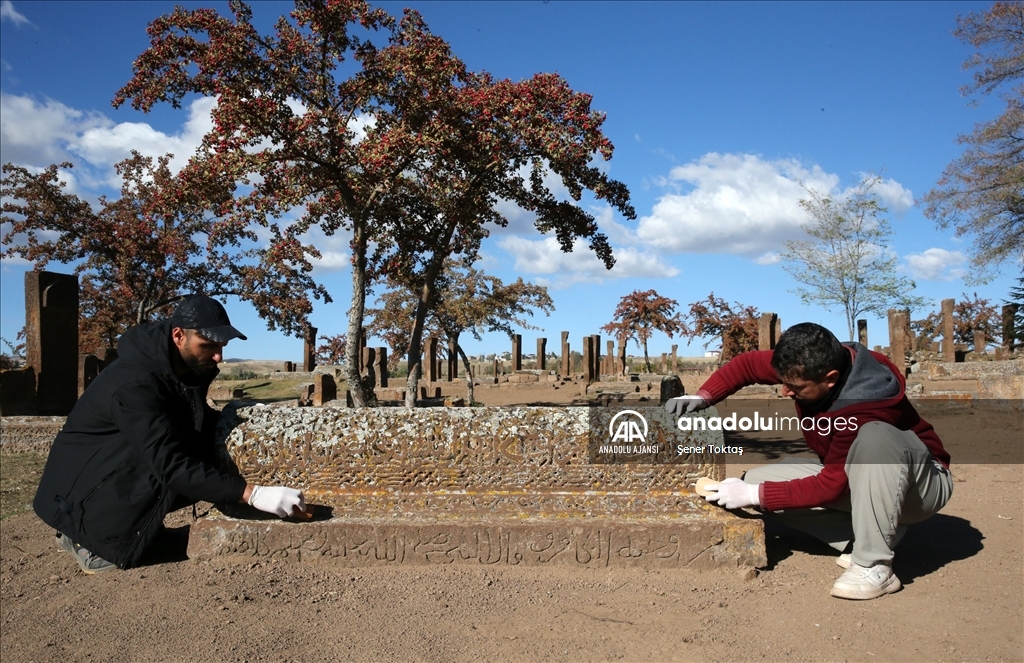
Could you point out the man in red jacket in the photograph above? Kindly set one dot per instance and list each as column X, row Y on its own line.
column 880, row 465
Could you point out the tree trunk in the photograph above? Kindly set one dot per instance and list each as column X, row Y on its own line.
column 430, row 275
column 469, row 371
column 355, row 317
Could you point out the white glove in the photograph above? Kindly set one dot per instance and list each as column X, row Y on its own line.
column 278, row 500
column 733, row 493
column 685, row 404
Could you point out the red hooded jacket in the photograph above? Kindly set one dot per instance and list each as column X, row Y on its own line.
column 874, row 391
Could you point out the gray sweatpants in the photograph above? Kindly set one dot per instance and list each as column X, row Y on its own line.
column 893, row 479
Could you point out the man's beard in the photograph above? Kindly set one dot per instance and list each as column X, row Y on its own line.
column 204, row 369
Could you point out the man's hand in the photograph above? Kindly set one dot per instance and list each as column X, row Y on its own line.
column 685, row 404
column 279, row 500
column 733, row 493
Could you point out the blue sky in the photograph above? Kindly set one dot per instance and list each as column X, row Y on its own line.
column 718, row 111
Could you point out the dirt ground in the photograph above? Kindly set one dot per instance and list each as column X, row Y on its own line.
column 963, row 596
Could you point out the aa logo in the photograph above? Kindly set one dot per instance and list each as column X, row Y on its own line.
column 628, row 430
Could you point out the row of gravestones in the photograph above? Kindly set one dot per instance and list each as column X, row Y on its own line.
column 56, row 374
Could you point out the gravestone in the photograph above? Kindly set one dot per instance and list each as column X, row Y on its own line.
column 88, row 369
column 862, row 332
column 431, row 359
column 898, row 339
column 309, row 350
column 324, row 389
column 948, row 349
column 979, row 342
column 522, row 486
column 766, row 338
column 542, row 349
column 51, row 339
column 675, row 360
column 517, row 352
column 588, row 361
column 595, row 357
column 566, row 365
column 452, row 367
column 1009, row 328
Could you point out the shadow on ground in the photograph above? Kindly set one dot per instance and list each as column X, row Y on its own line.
column 927, row 547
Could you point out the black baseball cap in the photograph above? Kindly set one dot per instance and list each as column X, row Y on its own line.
column 207, row 316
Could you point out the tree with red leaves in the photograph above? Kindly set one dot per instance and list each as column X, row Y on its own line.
column 640, row 314
column 409, row 154
column 332, row 351
column 140, row 253
column 735, row 325
column 970, row 315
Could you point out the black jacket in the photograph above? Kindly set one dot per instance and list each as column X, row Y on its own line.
column 138, row 438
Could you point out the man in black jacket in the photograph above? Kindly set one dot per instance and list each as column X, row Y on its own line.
column 139, row 443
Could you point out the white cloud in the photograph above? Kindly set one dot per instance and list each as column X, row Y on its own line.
column 617, row 233
column 335, row 250
column 9, row 13
column 743, row 204
column 932, row 265
column 894, row 196
column 739, row 204
column 106, row 145
column 545, row 256
column 38, row 134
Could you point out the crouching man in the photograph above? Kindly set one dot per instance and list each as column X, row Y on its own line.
column 139, row 443
column 880, row 468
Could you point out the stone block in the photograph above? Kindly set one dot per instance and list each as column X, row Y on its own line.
column 32, row 434
column 51, row 339
column 671, row 387
column 508, row 486
column 523, row 377
column 18, row 392
column 948, row 350
column 766, row 338
column 390, row 394
column 430, row 360
column 517, row 352
column 324, row 389
column 309, row 350
column 705, row 541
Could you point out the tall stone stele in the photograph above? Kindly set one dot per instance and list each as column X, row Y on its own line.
column 51, row 339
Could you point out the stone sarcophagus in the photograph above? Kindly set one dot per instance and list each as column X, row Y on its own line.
column 521, row 486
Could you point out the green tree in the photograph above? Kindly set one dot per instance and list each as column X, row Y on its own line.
column 847, row 263
column 982, row 193
column 410, row 153
column 640, row 314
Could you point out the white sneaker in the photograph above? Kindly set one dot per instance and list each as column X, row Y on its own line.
column 859, row 583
